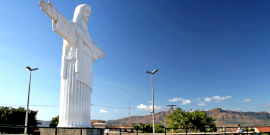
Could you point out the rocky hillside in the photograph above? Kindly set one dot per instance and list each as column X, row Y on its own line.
column 220, row 114
column 231, row 118
column 138, row 119
column 223, row 118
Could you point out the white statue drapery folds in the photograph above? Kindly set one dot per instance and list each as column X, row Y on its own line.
column 78, row 53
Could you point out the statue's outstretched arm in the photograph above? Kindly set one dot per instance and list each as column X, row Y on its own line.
column 97, row 52
column 60, row 24
column 101, row 54
column 49, row 9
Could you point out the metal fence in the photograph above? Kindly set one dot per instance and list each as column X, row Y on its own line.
column 220, row 130
column 34, row 130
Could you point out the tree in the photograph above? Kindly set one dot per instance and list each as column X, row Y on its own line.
column 54, row 121
column 159, row 128
column 12, row 117
column 192, row 120
column 148, row 128
column 143, row 128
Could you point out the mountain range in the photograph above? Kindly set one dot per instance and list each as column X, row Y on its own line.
column 223, row 118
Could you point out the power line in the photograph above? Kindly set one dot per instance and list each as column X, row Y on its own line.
column 58, row 105
column 91, row 105
column 114, row 106
column 29, row 105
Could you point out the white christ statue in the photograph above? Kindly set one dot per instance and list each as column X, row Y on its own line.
column 78, row 53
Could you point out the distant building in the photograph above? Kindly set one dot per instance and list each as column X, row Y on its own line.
column 262, row 130
column 124, row 128
column 44, row 123
column 98, row 123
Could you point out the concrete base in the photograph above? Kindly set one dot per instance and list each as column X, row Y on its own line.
column 64, row 131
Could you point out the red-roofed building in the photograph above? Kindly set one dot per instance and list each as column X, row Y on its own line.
column 98, row 123
column 262, row 129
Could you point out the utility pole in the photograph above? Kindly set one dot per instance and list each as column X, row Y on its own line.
column 153, row 105
column 27, row 110
column 129, row 115
column 171, row 107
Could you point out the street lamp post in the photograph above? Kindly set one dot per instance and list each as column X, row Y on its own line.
column 26, row 116
column 153, row 109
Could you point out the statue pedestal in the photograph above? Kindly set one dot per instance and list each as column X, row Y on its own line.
column 70, row 131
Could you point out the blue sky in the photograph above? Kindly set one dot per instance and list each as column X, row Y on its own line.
column 210, row 54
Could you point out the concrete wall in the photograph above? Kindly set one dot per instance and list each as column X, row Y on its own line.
column 62, row 131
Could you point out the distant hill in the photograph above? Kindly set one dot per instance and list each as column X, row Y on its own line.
column 138, row 119
column 223, row 118
column 232, row 118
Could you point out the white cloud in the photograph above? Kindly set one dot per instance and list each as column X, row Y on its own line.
column 208, row 99
column 103, row 111
column 115, row 110
column 216, row 98
column 150, row 102
column 252, row 107
column 156, row 107
column 185, row 101
column 247, row 100
column 197, row 99
column 144, row 107
column 221, row 98
column 201, row 103
column 175, row 99
column 237, row 108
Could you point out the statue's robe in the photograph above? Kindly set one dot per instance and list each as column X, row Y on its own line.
column 76, row 73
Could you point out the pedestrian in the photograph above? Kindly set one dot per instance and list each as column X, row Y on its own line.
column 239, row 129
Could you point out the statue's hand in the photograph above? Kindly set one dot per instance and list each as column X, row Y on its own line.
column 77, row 75
column 49, row 9
column 101, row 55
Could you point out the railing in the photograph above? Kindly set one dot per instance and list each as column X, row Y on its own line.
column 220, row 130
column 34, row 130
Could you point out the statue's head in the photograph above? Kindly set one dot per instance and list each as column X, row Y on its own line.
column 82, row 13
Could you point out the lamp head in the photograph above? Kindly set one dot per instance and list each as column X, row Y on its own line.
column 28, row 68
column 154, row 71
column 148, row 72
column 34, row 69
